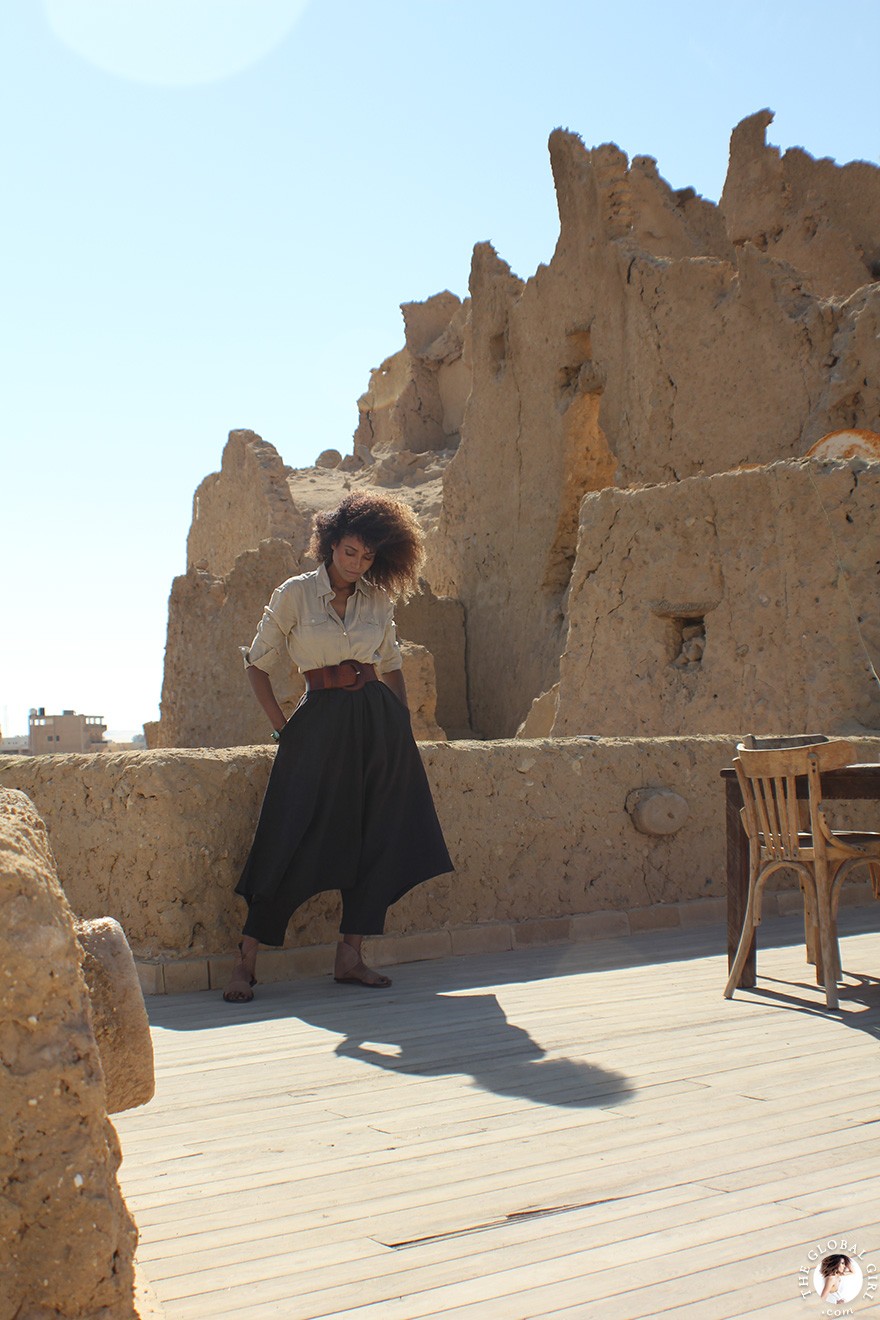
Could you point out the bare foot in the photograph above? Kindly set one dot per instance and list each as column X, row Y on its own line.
column 239, row 990
column 351, row 970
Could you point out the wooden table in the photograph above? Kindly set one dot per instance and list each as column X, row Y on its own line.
column 855, row 782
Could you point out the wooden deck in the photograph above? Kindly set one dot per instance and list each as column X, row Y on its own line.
column 574, row 1131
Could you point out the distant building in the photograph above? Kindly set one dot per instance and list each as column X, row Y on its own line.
column 67, row 732
column 17, row 745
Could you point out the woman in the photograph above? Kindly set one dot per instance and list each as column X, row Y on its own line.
column 834, row 1270
column 347, row 805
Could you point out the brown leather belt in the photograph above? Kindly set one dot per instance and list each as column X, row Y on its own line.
column 349, row 675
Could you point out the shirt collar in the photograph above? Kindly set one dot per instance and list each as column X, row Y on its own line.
column 325, row 586
column 323, row 582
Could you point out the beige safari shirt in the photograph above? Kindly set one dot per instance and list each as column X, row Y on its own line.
column 300, row 627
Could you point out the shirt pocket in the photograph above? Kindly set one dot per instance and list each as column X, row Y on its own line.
column 310, row 640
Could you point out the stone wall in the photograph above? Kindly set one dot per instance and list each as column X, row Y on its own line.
column 747, row 598
column 214, row 608
column 421, row 692
column 540, row 832
column 206, row 697
column 649, row 350
column 66, row 1238
column 246, row 502
column 813, row 214
column 409, row 422
column 415, row 400
column 666, row 340
column 439, row 625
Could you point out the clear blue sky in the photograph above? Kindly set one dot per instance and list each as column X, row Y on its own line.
column 212, row 210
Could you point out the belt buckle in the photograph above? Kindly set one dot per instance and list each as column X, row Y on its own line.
column 359, row 679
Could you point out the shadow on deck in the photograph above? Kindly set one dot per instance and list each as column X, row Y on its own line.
column 564, row 1131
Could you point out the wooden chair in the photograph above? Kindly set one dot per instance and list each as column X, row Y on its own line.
column 759, row 742
column 821, row 856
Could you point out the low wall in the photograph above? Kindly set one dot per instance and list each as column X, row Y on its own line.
column 539, row 830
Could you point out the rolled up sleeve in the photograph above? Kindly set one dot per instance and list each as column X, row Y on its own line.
column 388, row 655
column 270, row 642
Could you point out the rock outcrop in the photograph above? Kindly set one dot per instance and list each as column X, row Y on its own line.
column 816, row 216
column 206, row 700
column 416, row 399
column 667, row 341
column 119, row 1018
column 66, row 1238
column 246, row 502
column 651, row 349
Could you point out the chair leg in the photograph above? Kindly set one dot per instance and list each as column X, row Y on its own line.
column 750, row 921
column 837, row 873
column 827, row 940
column 811, row 930
column 835, row 945
column 828, row 958
column 813, row 925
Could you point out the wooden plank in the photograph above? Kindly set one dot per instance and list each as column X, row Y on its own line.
column 667, row 1281
column 282, row 1156
column 713, row 1157
column 466, row 1258
column 492, row 1272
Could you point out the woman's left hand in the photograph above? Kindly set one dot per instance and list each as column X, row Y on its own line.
column 394, row 680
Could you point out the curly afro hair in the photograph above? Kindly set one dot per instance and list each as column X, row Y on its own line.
column 386, row 526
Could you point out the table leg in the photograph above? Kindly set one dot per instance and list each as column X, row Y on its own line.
column 737, row 882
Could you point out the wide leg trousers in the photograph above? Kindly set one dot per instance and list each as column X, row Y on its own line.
column 347, row 807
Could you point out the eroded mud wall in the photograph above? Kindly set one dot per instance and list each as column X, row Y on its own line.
column 651, row 349
column 746, row 598
column 66, row 1238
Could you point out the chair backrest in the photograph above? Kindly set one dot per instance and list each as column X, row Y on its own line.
column 768, row 782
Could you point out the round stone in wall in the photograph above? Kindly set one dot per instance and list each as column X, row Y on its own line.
column 657, row 811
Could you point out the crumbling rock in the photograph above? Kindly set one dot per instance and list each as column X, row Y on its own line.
column 245, row 503
column 328, row 458
column 122, row 1031
column 206, row 701
column 418, row 674
column 817, row 216
column 667, row 340
column 770, row 572
column 542, row 715
column 66, row 1238
column 651, row 349
column 416, row 399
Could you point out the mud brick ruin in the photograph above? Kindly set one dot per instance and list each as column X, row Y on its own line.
column 642, row 543
column 625, row 535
